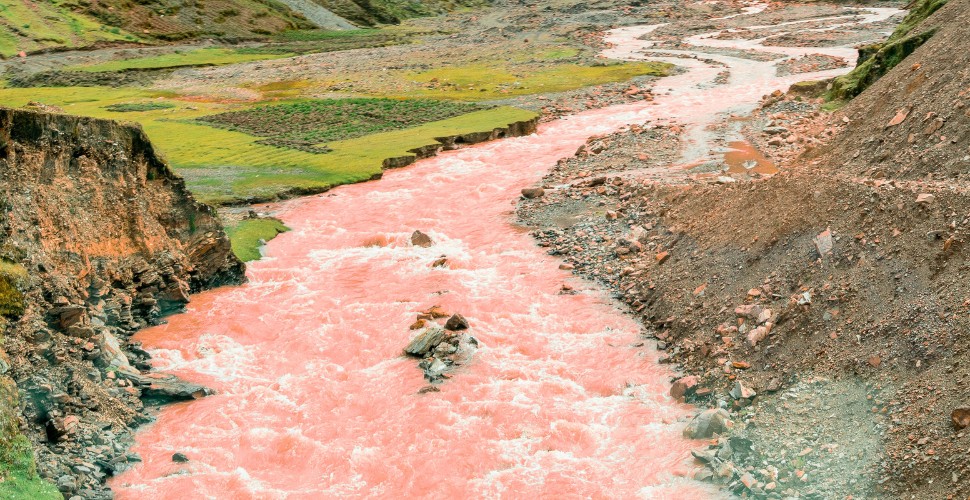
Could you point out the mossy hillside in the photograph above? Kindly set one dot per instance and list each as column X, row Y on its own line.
column 223, row 166
column 879, row 59
column 249, row 234
column 18, row 474
column 49, row 24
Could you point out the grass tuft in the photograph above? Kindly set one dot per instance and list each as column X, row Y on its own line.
column 249, row 234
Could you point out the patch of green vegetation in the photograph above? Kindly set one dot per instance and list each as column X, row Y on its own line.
column 308, row 124
column 128, row 107
column 196, row 57
column 480, row 82
column 12, row 279
column 321, row 34
column 877, row 60
column 833, row 106
column 222, row 166
column 17, row 468
column 249, row 234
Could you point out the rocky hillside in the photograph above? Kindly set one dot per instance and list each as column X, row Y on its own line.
column 826, row 307
column 99, row 238
column 876, row 60
column 914, row 123
column 373, row 12
column 34, row 26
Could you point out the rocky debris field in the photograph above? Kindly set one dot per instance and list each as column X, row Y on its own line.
column 820, row 312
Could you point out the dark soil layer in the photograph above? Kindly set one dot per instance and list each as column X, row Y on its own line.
column 308, row 125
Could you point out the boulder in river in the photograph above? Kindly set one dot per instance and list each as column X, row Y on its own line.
column 456, row 322
column 420, row 239
column 425, row 341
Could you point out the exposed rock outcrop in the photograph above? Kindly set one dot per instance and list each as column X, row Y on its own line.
column 98, row 239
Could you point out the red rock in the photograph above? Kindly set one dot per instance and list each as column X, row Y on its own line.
column 899, row 118
column 960, row 418
column 662, row 257
column 683, row 387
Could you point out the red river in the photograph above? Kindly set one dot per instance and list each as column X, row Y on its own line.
column 314, row 398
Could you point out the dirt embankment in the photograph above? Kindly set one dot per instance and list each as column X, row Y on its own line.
column 826, row 307
column 99, row 239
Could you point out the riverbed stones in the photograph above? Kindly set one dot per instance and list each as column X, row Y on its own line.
column 683, row 387
column 708, row 423
column 533, row 193
column 425, row 341
column 420, row 239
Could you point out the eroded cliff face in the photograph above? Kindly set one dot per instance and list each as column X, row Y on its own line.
column 98, row 238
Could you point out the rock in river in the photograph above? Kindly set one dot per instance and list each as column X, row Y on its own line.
column 456, row 322
column 425, row 341
column 420, row 239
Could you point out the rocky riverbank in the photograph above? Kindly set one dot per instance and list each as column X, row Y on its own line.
column 99, row 240
column 817, row 310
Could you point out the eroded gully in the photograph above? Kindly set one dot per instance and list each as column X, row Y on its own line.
column 314, row 398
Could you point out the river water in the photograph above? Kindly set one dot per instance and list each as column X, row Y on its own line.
column 314, row 399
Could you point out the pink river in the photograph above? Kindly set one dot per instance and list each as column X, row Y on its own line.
column 314, row 398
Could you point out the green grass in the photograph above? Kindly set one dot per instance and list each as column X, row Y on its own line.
column 320, row 34
column 307, row 124
column 17, row 468
column 246, row 235
column 222, row 166
column 478, row 82
column 196, row 57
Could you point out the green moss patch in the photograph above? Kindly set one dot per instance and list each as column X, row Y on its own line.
column 307, row 125
column 12, row 279
column 249, row 234
column 17, row 469
column 877, row 60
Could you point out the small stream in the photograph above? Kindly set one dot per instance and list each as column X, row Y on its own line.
column 563, row 398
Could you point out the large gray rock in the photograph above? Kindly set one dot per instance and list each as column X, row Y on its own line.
column 707, row 424
column 425, row 341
